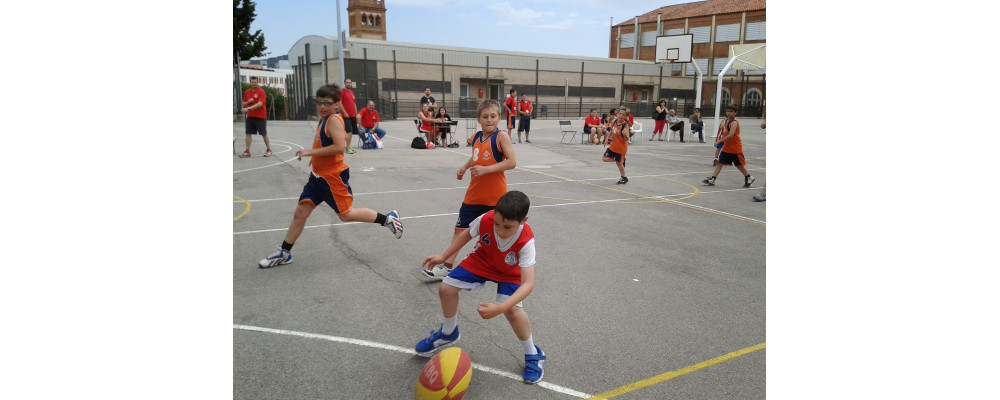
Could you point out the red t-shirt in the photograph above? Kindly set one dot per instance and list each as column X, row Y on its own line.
column 347, row 99
column 525, row 106
column 592, row 120
column 255, row 96
column 509, row 106
column 368, row 119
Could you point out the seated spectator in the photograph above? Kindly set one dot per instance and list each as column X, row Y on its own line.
column 594, row 126
column 370, row 121
column 697, row 125
column 426, row 123
column 442, row 116
column 675, row 124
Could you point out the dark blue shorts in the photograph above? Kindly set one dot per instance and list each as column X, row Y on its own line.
column 469, row 213
column 618, row 157
column 525, row 125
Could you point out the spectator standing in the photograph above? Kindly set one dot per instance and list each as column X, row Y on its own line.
column 510, row 106
column 349, row 109
column 524, row 108
column 254, row 100
column 428, row 100
column 660, row 118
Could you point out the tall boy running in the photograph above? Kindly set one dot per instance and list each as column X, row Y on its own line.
column 492, row 154
column 328, row 180
column 732, row 148
column 504, row 254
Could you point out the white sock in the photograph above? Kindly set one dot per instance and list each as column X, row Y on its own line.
column 529, row 346
column 449, row 325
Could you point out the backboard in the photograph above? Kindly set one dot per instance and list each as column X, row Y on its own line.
column 674, row 47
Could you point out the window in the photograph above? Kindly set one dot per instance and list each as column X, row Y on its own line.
column 757, row 31
column 727, row 98
column 702, row 65
column 378, row 20
column 464, row 91
column 673, row 32
column 754, row 98
column 628, row 41
column 364, row 20
column 719, row 63
column 702, row 34
column 645, row 96
column 648, row 38
column 727, row 33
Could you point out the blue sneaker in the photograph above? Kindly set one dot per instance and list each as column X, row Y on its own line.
column 280, row 257
column 392, row 222
column 533, row 366
column 436, row 341
column 527, row 141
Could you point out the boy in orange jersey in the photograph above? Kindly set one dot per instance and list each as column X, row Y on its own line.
column 619, row 142
column 732, row 149
column 328, row 180
column 492, row 154
column 505, row 255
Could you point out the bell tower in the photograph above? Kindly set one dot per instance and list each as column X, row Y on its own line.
column 367, row 19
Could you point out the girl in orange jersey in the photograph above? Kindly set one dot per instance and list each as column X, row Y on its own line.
column 619, row 142
column 492, row 154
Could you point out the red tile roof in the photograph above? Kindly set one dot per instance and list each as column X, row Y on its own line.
column 699, row 9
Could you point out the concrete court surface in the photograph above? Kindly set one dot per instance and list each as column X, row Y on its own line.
column 658, row 283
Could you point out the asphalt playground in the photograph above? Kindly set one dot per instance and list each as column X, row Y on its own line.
column 650, row 290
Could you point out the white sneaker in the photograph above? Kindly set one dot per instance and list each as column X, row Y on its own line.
column 280, row 257
column 392, row 222
column 438, row 272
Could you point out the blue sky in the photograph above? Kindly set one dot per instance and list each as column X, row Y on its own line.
column 569, row 27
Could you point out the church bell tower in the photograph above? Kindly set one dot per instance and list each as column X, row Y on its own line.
column 367, row 19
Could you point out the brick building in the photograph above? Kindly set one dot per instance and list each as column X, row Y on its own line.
column 714, row 25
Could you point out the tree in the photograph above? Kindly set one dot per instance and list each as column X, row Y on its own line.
column 246, row 45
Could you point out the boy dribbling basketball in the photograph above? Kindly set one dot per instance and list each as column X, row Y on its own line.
column 504, row 254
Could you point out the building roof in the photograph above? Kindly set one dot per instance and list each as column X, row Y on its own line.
column 698, row 9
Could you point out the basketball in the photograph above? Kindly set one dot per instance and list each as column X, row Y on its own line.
column 467, row 141
column 596, row 141
column 445, row 376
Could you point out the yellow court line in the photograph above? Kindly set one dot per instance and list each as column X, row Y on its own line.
column 675, row 373
column 244, row 211
column 652, row 199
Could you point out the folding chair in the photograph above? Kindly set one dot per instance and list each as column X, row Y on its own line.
column 566, row 128
column 637, row 128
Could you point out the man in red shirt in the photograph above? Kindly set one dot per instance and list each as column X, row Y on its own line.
column 349, row 110
column 370, row 120
column 256, row 119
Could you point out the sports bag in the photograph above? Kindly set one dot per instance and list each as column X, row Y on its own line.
column 418, row 143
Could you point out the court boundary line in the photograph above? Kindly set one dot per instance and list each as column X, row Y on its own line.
column 274, row 165
column 384, row 346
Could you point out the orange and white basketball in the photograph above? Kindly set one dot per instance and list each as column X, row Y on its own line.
column 445, row 377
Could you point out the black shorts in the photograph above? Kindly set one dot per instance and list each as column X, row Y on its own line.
column 678, row 126
column 617, row 157
column 468, row 213
column 730, row 158
column 256, row 126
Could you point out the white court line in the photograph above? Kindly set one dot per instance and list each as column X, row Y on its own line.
column 537, row 206
column 273, row 165
column 383, row 346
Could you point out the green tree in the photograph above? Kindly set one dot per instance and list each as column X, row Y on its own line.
column 246, row 45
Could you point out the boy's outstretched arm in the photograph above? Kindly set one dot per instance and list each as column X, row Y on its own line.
column 456, row 244
column 490, row 310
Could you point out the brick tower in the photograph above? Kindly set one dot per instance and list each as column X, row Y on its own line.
column 367, row 19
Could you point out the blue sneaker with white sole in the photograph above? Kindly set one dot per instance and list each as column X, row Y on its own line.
column 436, row 341
column 533, row 366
